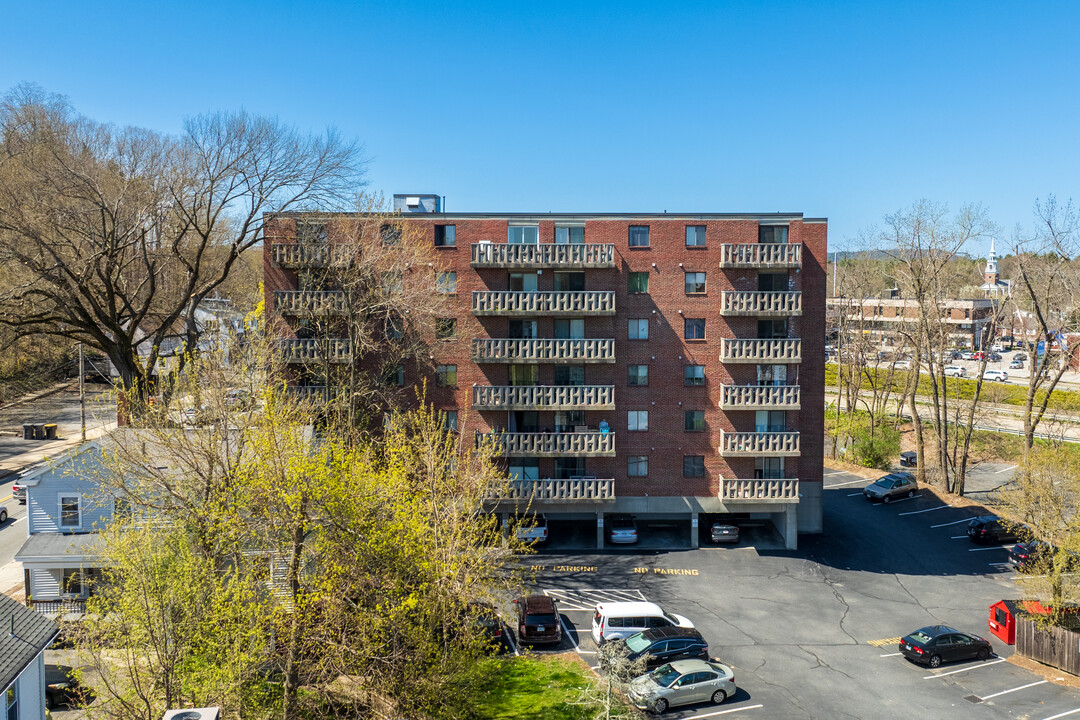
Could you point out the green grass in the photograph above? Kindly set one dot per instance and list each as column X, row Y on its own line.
column 537, row 689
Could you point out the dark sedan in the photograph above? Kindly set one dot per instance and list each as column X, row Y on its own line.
column 891, row 486
column 1034, row 555
column 658, row 646
column 987, row 529
column 936, row 644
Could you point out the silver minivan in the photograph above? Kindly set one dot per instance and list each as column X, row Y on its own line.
column 616, row 620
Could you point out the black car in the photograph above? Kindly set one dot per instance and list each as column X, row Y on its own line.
column 988, row 529
column 488, row 624
column 659, row 646
column 1029, row 556
column 936, row 644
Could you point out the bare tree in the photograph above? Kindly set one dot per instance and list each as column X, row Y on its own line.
column 116, row 236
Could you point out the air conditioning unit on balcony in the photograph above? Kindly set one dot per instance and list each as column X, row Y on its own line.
column 193, row 714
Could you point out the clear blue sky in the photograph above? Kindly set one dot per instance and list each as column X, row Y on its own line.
column 848, row 110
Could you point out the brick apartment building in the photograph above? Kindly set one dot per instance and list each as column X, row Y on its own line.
column 882, row 319
column 664, row 365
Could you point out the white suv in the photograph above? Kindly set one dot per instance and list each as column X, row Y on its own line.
column 996, row 375
column 954, row 371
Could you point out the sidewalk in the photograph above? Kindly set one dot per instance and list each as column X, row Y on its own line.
column 11, row 581
column 16, row 463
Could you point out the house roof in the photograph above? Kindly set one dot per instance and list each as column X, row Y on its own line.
column 25, row 633
column 41, row 547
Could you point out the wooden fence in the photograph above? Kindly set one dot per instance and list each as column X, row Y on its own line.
column 1055, row 646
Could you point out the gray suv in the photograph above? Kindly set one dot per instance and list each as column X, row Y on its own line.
column 892, row 486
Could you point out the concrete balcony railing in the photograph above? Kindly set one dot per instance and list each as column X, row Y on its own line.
column 759, row 444
column 503, row 255
column 314, row 393
column 302, row 351
column 761, row 255
column 526, row 304
column 582, row 444
column 307, row 254
column 783, row 490
column 543, row 350
column 555, row 490
column 759, row 397
column 781, row 350
column 761, row 303
column 309, row 302
column 544, row 397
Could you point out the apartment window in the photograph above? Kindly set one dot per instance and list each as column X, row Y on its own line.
column 70, row 511
column 523, row 282
column 391, row 234
column 523, row 234
column 768, row 468
column 770, row 421
column 637, row 466
column 693, row 466
column 569, row 467
column 772, row 329
column 637, row 375
column 773, row 282
column 310, row 232
column 394, row 376
column 694, row 328
column 569, row 374
column 570, row 329
column 446, row 375
column 639, row 282
column 523, row 329
column 772, row 375
column 445, row 328
column 695, row 283
column 393, row 328
column 525, row 469
column 637, row 329
column 637, row 420
column 695, row 236
column 522, row 374
column 772, row 233
column 450, row 420
column 694, row 421
column 446, row 282
column 567, row 420
column 693, row 375
column 572, row 235
column 391, row 283
column 445, row 236
column 639, row 236
column 569, row 281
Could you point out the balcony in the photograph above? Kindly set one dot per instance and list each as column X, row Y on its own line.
column 783, row 490
column 780, row 350
column 761, row 303
column 557, row 490
column 309, row 303
column 543, row 350
column 574, row 257
column 544, row 397
column 761, row 255
column 759, row 444
column 293, row 255
column 759, row 397
column 529, row 304
column 582, row 444
column 303, row 351
column 315, row 394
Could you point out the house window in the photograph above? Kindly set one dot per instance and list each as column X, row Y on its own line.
column 450, row 420
column 695, row 236
column 12, row 702
column 695, row 283
column 694, row 328
column 72, row 582
column 446, row 282
column 694, row 421
column 445, row 328
column 639, row 282
column 445, row 236
column 70, row 513
column 693, row 375
column 573, row 235
column 523, row 234
column 637, row 466
column 391, row 234
column 394, row 376
column 637, row 420
column 693, row 466
column 639, row 236
column 523, row 282
column 772, row 233
column 637, row 329
column 446, row 375
column 637, row 375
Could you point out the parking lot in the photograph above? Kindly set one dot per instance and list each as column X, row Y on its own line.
column 813, row 633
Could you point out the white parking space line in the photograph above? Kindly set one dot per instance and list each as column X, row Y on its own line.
column 958, row 537
column 1006, row 692
column 882, row 504
column 724, row 712
column 970, row 667
column 570, row 635
column 854, row 494
column 1011, row 467
column 513, row 645
column 916, row 512
column 993, row 547
column 1061, row 715
column 999, row 565
column 849, row 482
column 631, row 595
column 955, row 522
column 890, row 654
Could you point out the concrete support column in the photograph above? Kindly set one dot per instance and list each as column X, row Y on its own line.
column 695, row 531
column 599, row 531
column 790, row 518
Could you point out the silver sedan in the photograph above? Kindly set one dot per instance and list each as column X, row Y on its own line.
column 681, row 683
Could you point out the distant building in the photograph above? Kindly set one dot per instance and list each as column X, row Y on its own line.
column 882, row 319
column 994, row 286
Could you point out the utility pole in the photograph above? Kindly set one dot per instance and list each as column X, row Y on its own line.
column 82, row 397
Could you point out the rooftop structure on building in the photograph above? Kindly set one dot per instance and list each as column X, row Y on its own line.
column 994, row 285
column 667, row 365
